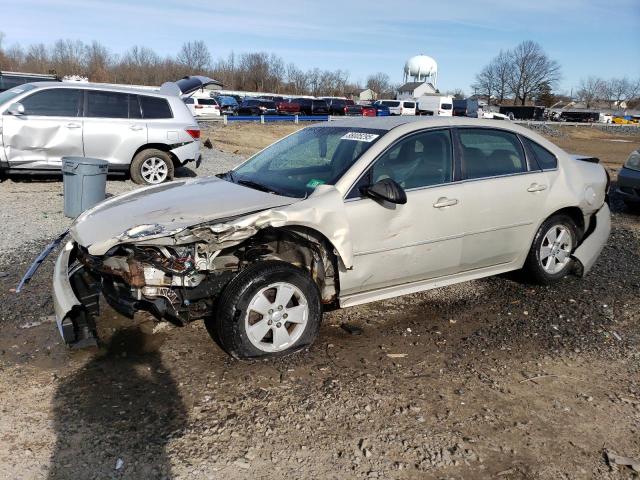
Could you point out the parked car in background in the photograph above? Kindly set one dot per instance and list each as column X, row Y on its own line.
column 273, row 98
column 285, row 107
column 13, row 79
column 435, row 105
column 337, row 106
column 407, row 107
column 395, row 106
column 334, row 214
column 146, row 133
column 375, row 110
column 228, row 104
column 629, row 180
column 353, row 110
column 311, row 106
column 255, row 106
column 203, row 107
column 466, row 108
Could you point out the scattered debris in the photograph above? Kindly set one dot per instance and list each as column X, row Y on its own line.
column 207, row 144
column 614, row 460
column 351, row 329
column 119, row 464
column 397, row 355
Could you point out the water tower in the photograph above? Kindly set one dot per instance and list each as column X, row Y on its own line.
column 421, row 68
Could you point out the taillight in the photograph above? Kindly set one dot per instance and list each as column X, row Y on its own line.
column 194, row 132
column 199, row 106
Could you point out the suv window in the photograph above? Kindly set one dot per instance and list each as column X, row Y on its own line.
column 207, row 101
column 103, row 104
column 155, row 107
column 490, row 153
column 54, row 102
column 546, row 159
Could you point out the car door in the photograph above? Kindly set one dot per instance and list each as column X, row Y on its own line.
column 504, row 197
column 49, row 129
column 113, row 128
column 422, row 239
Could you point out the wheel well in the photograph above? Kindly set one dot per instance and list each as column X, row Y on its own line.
column 158, row 146
column 300, row 246
column 576, row 215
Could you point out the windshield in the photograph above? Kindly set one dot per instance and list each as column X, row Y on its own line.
column 313, row 156
column 8, row 95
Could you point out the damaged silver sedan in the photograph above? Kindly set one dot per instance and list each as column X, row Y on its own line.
column 334, row 215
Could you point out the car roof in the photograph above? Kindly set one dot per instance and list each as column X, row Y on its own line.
column 99, row 86
column 389, row 123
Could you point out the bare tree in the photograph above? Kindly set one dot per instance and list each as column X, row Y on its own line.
column 67, row 57
column 618, row 90
column 98, row 62
column 379, row 83
column 493, row 79
column 531, row 69
column 591, row 90
column 195, row 56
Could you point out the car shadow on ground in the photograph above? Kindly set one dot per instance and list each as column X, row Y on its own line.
column 114, row 417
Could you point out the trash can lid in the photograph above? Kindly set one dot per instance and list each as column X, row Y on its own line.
column 85, row 161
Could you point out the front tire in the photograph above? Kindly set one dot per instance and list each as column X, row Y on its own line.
column 271, row 308
column 151, row 167
column 549, row 258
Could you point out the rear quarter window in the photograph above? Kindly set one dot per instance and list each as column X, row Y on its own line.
column 546, row 160
column 155, row 107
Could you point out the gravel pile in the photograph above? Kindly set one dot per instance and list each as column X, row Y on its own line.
column 544, row 129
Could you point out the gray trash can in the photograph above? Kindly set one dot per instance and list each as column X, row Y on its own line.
column 85, row 183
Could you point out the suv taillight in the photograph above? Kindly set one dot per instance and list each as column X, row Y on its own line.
column 198, row 106
column 194, row 132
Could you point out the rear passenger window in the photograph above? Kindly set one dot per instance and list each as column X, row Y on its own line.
column 491, row 153
column 155, row 107
column 107, row 104
column 55, row 102
column 546, row 160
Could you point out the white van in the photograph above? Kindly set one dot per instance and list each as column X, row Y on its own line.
column 435, row 105
column 398, row 107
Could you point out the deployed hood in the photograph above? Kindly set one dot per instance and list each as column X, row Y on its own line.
column 164, row 209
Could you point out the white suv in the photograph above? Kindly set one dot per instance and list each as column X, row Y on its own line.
column 203, row 107
column 147, row 133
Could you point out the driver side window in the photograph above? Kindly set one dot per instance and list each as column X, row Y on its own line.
column 420, row 160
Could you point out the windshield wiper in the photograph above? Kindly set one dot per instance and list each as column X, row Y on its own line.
column 257, row 186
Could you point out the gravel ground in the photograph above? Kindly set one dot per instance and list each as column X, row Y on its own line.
column 489, row 379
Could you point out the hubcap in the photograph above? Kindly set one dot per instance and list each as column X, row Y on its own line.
column 276, row 317
column 556, row 249
column 154, row 170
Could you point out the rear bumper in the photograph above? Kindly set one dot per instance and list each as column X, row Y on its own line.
column 188, row 153
column 589, row 250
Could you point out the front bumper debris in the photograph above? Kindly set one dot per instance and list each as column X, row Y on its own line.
column 74, row 319
column 589, row 250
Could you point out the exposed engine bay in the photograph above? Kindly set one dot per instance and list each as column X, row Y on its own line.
column 179, row 283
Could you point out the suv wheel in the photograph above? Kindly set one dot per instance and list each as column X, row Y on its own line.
column 550, row 259
column 269, row 309
column 151, row 167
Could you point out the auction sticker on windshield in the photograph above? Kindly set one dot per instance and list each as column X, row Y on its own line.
column 314, row 182
column 360, row 136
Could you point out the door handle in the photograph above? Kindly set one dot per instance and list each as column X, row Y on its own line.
column 536, row 187
column 136, row 127
column 73, row 125
column 445, row 202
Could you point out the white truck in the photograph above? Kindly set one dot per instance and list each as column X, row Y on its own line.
column 435, row 105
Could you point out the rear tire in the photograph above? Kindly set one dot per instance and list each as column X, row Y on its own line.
column 270, row 309
column 549, row 258
column 151, row 167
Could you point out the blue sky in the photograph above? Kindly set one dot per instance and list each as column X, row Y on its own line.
column 587, row 37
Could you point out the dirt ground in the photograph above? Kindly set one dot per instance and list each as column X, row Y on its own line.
column 493, row 378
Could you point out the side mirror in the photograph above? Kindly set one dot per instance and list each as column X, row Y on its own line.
column 387, row 190
column 16, row 109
